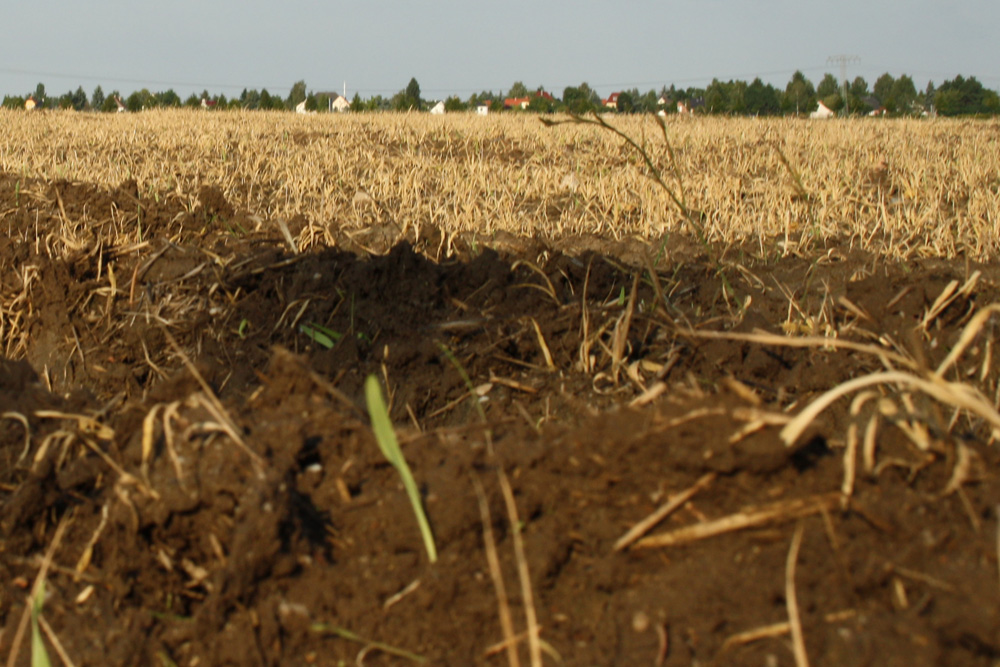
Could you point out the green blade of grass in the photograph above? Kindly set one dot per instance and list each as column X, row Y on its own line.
column 39, row 656
column 344, row 633
column 320, row 334
column 385, row 435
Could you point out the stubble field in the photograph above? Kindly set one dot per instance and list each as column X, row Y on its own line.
column 743, row 415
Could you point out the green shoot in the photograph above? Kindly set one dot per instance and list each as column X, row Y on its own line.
column 320, row 334
column 465, row 378
column 344, row 633
column 39, row 656
column 386, row 438
column 244, row 327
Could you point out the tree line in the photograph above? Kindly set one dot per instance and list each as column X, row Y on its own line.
column 888, row 95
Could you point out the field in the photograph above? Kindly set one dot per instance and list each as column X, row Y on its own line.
column 724, row 396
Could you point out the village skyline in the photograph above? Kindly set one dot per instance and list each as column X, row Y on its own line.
column 887, row 95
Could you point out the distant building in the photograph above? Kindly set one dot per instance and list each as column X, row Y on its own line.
column 335, row 102
column 482, row 109
column 208, row 104
column 438, row 109
column 822, row 112
column 612, row 101
column 523, row 102
column 31, row 103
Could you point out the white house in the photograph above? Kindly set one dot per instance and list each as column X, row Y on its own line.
column 438, row 109
column 822, row 112
column 482, row 109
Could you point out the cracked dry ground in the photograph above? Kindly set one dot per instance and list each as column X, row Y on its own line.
column 196, row 479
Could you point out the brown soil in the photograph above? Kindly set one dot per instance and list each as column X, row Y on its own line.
column 222, row 499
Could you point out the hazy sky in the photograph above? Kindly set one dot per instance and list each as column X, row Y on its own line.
column 461, row 47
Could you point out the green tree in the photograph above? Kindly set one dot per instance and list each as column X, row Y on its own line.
column 40, row 93
column 903, row 94
column 962, row 96
column 413, row 93
column 453, row 104
column 541, row 103
column 79, row 99
column 625, row 103
column 518, row 90
column 828, row 86
column 97, row 99
column 296, row 94
column 12, row 102
column 761, row 99
column 883, row 89
column 717, row 97
column 168, row 98
column 800, row 96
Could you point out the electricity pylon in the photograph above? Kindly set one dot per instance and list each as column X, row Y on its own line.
column 842, row 60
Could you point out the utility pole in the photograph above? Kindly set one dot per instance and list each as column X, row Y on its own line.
column 842, row 60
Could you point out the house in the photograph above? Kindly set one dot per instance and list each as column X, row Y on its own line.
column 822, row 112
column 612, row 101
column 438, row 109
column 878, row 111
column 516, row 102
column 31, row 103
column 523, row 102
column 482, row 109
column 664, row 101
column 118, row 103
column 208, row 104
column 301, row 108
column 690, row 105
column 335, row 101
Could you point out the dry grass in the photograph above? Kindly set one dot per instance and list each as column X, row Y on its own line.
column 901, row 188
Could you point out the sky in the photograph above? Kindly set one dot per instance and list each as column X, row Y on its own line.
column 455, row 47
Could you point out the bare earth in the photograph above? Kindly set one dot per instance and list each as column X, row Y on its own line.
column 218, row 498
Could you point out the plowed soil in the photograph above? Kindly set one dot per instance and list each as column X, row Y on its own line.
column 186, row 456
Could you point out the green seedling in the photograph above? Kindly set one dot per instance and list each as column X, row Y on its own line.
column 244, row 327
column 39, row 656
column 321, row 335
column 344, row 633
column 386, row 438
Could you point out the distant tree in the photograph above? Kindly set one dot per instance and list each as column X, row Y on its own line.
column 454, row 103
column 716, row 97
column 903, row 94
column 828, row 86
column 97, row 99
column 581, row 99
column 883, row 89
column 800, row 96
column 859, row 87
column 109, row 105
column 518, row 90
column 296, row 95
column 168, row 98
column 250, row 99
column 134, row 102
column 265, row 100
column 834, row 102
column 79, row 99
column 40, row 93
column 962, row 96
column 625, row 103
column 12, row 102
column 312, row 103
column 413, row 93
column 761, row 99
column 541, row 103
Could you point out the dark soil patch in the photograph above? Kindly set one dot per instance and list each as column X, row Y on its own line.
column 240, row 513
